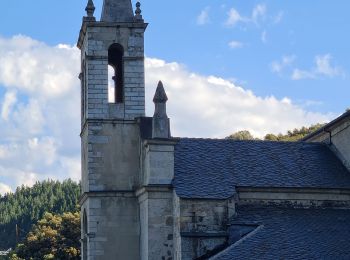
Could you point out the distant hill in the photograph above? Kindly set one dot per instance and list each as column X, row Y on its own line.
column 20, row 210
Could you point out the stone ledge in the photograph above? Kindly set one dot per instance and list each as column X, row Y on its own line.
column 106, row 194
column 204, row 234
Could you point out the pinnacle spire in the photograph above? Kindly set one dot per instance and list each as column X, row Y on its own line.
column 160, row 120
column 118, row 11
column 160, row 95
column 90, row 9
column 138, row 16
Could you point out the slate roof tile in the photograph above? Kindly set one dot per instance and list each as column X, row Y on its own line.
column 287, row 233
column 212, row 168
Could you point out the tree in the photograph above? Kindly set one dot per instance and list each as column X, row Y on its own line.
column 294, row 135
column 291, row 136
column 53, row 237
column 20, row 210
column 241, row 135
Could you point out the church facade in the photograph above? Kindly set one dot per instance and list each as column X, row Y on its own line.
column 148, row 195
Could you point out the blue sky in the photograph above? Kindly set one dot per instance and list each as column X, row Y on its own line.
column 302, row 31
column 265, row 66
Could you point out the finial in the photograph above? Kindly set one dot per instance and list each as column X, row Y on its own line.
column 160, row 120
column 138, row 16
column 160, row 95
column 90, row 9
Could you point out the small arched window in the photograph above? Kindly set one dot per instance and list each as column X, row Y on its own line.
column 115, row 73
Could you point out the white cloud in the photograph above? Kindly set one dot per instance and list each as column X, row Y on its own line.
column 259, row 13
column 279, row 66
column 4, row 189
column 302, row 74
column 234, row 17
column 322, row 68
column 208, row 106
column 40, row 136
column 203, row 17
column 40, row 115
column 35, row 68
column 278, row 18
column 14, row 177
column 259, row 16
column 9, row 100
column 235, row 44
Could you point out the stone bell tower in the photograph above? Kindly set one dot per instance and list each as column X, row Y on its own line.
column 112, row 64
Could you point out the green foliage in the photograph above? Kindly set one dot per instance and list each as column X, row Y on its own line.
column 241, row 135
column 20, row 210
column 295, row 135
column 53, row 237
column 291, row 136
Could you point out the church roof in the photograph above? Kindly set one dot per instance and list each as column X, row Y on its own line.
column 288, row 233
column 212, row 168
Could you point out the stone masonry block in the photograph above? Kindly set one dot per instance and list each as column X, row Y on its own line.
column 98, row 139
column 95, row 204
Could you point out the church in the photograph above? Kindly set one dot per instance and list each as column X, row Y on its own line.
column 149, row 195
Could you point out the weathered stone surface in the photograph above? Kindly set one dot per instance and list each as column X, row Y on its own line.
column 203, row 226
column 110, row 134
column 160, row 123
column 158, row 163
column 104, row 233
column 156, row 212
column 117, row 11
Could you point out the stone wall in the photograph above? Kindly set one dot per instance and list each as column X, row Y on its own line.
column 156, row 214
column 95, row 40
column 177, row 226
column 110, row 140
column 106, row 237
column 203, row 226
column 158, row 162
column 113, row 156
column 156, row 199
column 294, row 197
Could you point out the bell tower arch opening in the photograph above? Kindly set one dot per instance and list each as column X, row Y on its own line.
column 115, row 73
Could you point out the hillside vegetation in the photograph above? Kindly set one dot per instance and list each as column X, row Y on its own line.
column 53, row 237
column 290, row 136
column 20, row 210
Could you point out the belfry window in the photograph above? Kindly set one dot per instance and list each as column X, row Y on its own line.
column 115, row 74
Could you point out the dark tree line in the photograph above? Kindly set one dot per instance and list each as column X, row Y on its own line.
column 20, row 210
